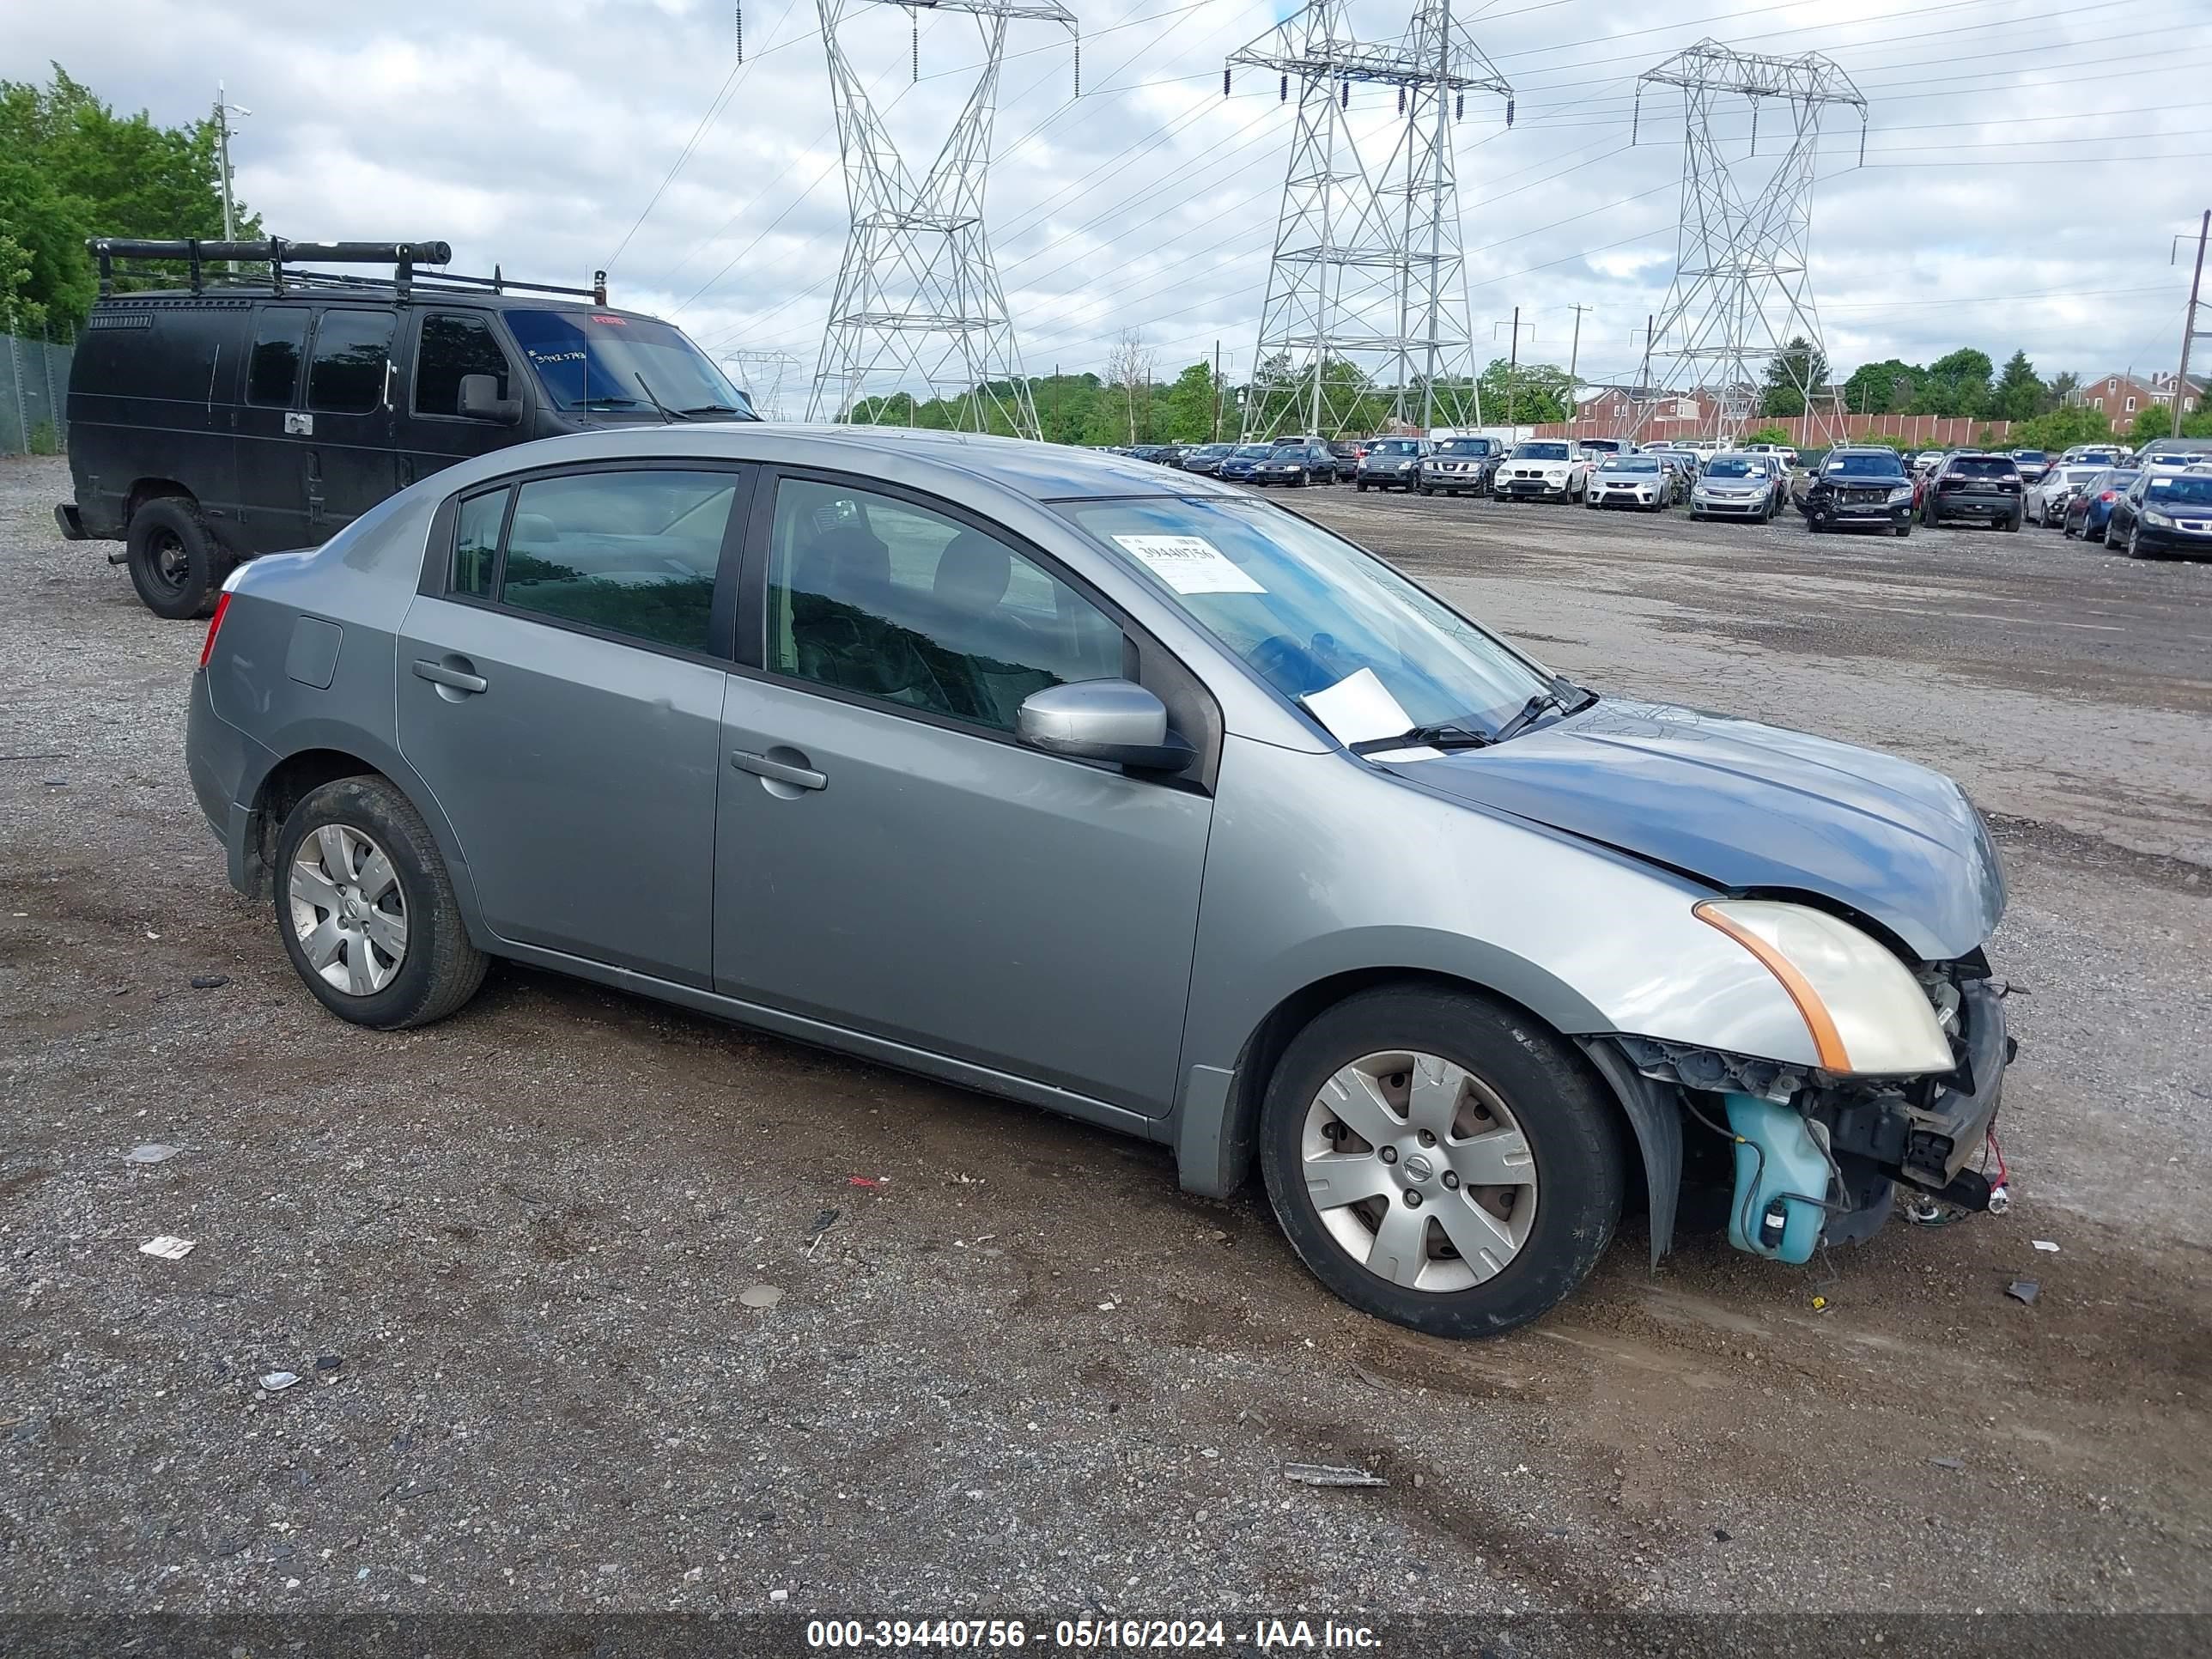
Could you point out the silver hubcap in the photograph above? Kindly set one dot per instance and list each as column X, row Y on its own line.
column 347, row 910
column 1418, row 1171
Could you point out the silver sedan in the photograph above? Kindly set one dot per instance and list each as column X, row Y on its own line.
column 1124, row 793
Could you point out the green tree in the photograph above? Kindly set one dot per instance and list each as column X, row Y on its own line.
column 1957, row 385
column 2157, row 422
column 2019, row 392
column 1539, row 392
column 1768, row 435
column 1186, row 406
column 1887, row 387
column 71, row 168
column 2061, row 428
column 1795, row 374
column 2060, row 387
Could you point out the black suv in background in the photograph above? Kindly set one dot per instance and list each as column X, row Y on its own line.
column 1347, row 452
column 1974, row 486
column 243, row 416
column 1460, row 466
column 1295, row 461
column 1860, row 490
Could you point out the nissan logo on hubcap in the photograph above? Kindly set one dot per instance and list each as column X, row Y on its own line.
column 1419, row 1168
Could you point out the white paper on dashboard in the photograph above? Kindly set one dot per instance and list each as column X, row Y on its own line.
column 1359, row 709
column 1191, row 564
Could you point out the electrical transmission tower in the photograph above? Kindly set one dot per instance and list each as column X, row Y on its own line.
column 1740, row 295
column 918, row 298
column 1367, row 290
column 766, row 401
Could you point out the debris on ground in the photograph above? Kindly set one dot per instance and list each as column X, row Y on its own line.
column 329, row 1361
column 1324, row 1475
column 209, row 981
column 1723, row 1535
column 277, row 1381
column 168, row 1249
column 153, row 1152
column 867, row 1181
column 1947, row 1462
column 822, row 1223
column 760, row 1296
column 2024, row 1290
column 2045, row 1244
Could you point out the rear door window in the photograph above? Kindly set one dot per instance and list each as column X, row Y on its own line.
column 454, row 345
column 280, row 337
column 631, row 552
column 353, row 354
column 1982, row 466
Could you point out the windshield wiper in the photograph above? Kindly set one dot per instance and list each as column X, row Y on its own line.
column 1563, row 695
column 1448, row 735
column 710, row 409
column 606, row 402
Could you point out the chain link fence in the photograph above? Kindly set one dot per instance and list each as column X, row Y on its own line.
column 35, row 374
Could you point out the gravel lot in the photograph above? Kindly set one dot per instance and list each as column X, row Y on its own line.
column 507, row 1256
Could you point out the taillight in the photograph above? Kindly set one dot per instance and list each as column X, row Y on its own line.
column 2107, row 496
column 215, row 625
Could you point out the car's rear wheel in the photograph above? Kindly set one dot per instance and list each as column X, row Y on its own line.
column 367, row 910
column 1441, row 1160
column 174, row 560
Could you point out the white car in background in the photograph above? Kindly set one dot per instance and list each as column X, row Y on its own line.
column 1638, row 481
column 1544, row 469
column 2048, row 495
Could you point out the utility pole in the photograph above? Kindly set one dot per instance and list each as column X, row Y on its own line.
column 1575, row 351
column 2188, row 323
column 1513, row 366
column 1217, row 393
column 224, row 109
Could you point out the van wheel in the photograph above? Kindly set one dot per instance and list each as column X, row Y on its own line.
column 175, row 563
column 366, row 911
column 1441, row 1160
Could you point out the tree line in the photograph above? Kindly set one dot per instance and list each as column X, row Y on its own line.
column 71, row 168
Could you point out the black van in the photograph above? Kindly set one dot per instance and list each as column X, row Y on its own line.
column 233, row 418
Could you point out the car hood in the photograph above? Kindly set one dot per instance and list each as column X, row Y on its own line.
column 1751, row 807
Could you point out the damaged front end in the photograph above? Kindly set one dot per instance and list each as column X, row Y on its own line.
column 1804, row 1157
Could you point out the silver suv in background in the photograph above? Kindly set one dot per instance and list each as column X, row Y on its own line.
column 1129, row 794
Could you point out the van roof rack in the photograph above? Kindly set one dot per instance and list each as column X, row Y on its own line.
column 277, row 253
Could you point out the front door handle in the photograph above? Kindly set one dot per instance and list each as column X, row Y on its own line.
column 781, row 771
column 438, row 674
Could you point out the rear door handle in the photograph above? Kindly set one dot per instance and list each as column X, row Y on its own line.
column 761, row 766
column 438, row 674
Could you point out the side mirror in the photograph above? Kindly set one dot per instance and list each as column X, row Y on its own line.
column 480, row 401
column 1114, row 720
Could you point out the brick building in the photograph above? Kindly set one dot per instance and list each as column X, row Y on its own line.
column 2121, row 395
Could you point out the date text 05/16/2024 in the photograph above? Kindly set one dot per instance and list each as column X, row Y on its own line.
column 1002, row 1635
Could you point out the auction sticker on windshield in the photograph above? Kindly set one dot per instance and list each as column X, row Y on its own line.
column 1190, row 564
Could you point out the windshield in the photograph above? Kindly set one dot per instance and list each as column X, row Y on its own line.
column 1217, row 449
column 2194, row 488
column 1540, row 453
column 594, row 359
column 1395, row 446
column 2029, row 457
column 1734, row 466
column 1307, row 610
column 1466, row 447
column 2171, row 457
column 1256, row 451
column 1982, row 466
column 1866, row 466
column 2074, row 477
column 1630, row 463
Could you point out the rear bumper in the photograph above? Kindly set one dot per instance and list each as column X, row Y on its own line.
column 1960, row 504
column 71, row 522
column 224, row 763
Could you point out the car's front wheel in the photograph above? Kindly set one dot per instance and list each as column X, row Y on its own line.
column 367, row 910
column 1441, row 1160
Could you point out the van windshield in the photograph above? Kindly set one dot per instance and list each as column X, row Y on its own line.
column 596, row 361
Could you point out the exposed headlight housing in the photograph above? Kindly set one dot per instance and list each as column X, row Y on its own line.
column 1865, row 1013
column 1902, row 493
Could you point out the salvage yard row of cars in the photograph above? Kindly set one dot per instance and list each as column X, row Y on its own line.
column 2095, row 491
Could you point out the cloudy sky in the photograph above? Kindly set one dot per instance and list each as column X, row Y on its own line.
column 2027, row 167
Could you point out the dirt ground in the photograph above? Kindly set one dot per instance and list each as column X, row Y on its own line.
column 505, row 1255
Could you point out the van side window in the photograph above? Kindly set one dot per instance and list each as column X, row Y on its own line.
column 279, row 337
column 352, row 350
column 454, row 345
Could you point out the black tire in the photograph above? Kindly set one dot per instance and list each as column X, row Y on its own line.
column 1363, row 486
column 174, row 560
column 2012, row 524
column 441, row 968
column 1902, row 530
column 1428, row 489
column 1571, row 1125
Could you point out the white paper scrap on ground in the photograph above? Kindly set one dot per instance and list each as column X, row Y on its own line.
column 168, row 1249
column 1359, row 709
column 1190, row 564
